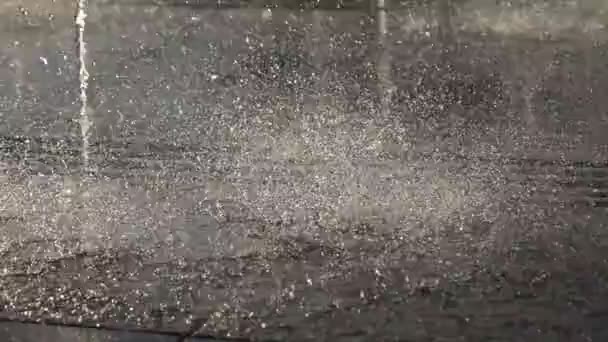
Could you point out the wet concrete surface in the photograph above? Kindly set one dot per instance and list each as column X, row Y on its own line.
column 249, row 180
column 19, row 332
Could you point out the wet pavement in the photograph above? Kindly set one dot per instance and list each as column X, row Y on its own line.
column 279, row 174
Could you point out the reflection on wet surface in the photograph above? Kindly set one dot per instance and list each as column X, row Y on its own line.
column 407, row 170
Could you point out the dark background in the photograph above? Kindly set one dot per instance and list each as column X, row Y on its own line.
column 294, row 174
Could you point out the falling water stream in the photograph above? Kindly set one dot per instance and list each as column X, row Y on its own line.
column 85, row 123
